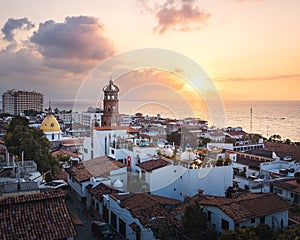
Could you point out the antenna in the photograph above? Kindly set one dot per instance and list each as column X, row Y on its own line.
column 251, row 119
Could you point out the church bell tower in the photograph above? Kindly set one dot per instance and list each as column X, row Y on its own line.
column 110, row 115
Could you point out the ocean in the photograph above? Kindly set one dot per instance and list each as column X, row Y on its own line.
column 268, row 117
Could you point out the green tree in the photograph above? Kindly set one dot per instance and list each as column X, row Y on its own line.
column 31, row 112
column 195, row 222
column 174, row 137
column 203, row 141
column 275, row 138
column 20, row 138
column 227, row 161
column 290, row 233
column 220, row 161
column 259, row 232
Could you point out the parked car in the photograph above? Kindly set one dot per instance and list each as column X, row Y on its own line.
column 102, row 230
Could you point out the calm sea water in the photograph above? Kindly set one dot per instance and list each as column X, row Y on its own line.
column 268, row 117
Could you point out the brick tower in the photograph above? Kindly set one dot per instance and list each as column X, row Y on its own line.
column 110, row 115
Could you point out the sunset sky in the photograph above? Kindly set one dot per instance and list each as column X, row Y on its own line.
column 250, row 49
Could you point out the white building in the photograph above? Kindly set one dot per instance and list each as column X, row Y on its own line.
column 100, row 169
column 287, row 189
column 15, row 101
column 165, row 179
column 246, row 210
column 88, row 118
column 102, row 138
column 139, row 215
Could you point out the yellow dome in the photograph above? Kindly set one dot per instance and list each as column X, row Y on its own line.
column 50, row 124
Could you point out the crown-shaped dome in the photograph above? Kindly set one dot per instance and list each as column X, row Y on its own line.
column 110, row 88
column 50, row 124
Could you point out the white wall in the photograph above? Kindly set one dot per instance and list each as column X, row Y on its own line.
column 125, row 215
column 95, row 146
column 228, row 146
column 177, row 181
column 79, row 188
column 273, row 220
column 216, row 218
column 144, row 152
column 53, row 136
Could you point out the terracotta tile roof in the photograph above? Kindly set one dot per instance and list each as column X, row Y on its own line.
column 108, row 128
column 247, row 206
column 101, row 166
column 79, row 173
column 35, row 216
column 261, row 152
column 151, row 165
column 252, row 160
column 96, row 167
column 282, row 150
column 117, row 163
column 72, row 141
column 291, row 185
column 101, row 189
column 147, row 207
column 143, row 135
column 61, row 151
column 63, row 175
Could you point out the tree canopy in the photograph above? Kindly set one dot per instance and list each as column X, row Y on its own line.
column 20, row 138
column 195, row 221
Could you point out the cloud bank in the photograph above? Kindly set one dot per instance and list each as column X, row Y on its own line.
column 78, row 37
column 56, row 54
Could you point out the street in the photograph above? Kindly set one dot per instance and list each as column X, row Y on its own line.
column 82, row 219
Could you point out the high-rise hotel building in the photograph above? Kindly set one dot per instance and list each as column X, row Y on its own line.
column 16, row 101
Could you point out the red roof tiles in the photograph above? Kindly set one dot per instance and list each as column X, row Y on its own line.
column 35, row 216
column 79, row 173
column 109, row 128
column 101, row 189
column 72, row 141
column 58, row 152
column 96, row 167
column 282, row 150
column 145, row 207
column 151, row 165
column 291, row 185
column 247, row 206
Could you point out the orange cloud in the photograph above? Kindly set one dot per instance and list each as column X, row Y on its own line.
column 185, row 18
